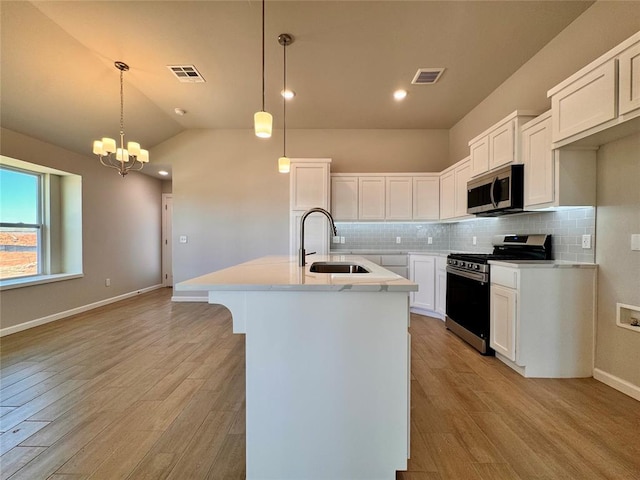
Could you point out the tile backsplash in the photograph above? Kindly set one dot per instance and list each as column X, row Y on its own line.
column 567, row 227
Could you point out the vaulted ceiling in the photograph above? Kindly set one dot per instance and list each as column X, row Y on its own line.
column 59, row 84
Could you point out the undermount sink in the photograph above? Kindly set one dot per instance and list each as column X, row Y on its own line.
column 337, row 267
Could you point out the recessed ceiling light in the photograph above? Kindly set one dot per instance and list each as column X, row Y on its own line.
column 164, row 173
column 400, row 94
column 288, row 94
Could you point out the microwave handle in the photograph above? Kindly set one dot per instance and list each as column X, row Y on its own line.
column 491, row 192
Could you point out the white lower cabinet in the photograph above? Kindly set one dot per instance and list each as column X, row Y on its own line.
column 542, row 319
column 503, row 320
column 431, row 294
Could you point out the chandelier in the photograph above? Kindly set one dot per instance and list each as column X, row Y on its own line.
column 122, row 159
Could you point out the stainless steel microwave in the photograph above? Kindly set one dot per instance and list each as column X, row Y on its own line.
column 499, row 192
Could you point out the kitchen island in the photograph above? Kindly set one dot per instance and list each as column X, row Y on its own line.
column 327, row 366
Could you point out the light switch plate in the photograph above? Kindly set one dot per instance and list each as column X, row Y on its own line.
column 336, row 239
column 635, row 241
column 430, row 240
column 586, row 241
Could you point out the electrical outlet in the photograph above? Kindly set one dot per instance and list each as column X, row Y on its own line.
column 430, row 240
column 341, row 239
column 635, row 241
column 107, row 282
column 183, row 239
column 586, row 241
column 398, row 239
column 336, row 239
column 474, row 240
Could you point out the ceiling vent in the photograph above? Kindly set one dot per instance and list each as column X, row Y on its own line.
column 427, row 76
column 186, row 73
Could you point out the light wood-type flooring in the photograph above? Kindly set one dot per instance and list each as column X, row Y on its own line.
column 146, row 388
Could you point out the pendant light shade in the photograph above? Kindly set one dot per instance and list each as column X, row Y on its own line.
column 262, row 121
column 262, row 124
column 284, row 165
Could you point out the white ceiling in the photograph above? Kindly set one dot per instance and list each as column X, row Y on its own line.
column 58, row 82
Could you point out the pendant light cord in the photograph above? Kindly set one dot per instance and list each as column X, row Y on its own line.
column 263, row 1
column 121, row 112
column 284, row 102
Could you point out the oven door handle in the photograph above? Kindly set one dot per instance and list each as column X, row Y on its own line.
column 492, row 192
column 477, row 276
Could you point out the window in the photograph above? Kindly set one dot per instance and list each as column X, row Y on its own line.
column 40, row 224
column 21, row 238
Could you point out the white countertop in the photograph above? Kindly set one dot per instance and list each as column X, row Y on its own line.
column 540, row 264
column 283, row 273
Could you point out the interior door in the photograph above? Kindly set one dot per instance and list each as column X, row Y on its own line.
column 167, row 244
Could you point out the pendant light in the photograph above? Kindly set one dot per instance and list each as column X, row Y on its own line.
column 125, row 159
column 284, row 164
column 262, row 121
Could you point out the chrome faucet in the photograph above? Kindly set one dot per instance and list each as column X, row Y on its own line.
column 301, row 253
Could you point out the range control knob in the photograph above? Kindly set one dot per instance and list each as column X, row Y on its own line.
column 476, row 267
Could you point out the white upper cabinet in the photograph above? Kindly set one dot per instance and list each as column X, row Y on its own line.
column 371, row 198
column 344, row 197
column 309, row 183
column 555, row 178
column 448, row 194
column 453, row 190
column 463, row 174
column 479, row 155
column 629, row 62
column 588, row 101
column 399, row 198
column 499, row 145
column 426, row 197
column 596, row 104
column 309, row 188
column 385, row 196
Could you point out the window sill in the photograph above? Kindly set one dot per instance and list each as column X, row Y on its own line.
column 37, row 280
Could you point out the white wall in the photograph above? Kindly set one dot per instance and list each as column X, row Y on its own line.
column 121, row 234
column 618, row 214
column 233, row 205
column 600, row 28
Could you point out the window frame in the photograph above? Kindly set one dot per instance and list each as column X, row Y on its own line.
column 42, row 256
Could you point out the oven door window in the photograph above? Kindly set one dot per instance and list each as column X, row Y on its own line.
column 468, row 304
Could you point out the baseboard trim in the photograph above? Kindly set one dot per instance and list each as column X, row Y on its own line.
column 619, row 384
column 189, row 299
column 74, row 311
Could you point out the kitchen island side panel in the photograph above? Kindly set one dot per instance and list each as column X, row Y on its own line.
column 327, row 385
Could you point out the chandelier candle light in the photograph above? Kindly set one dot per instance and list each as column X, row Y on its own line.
column 131, row 158
column 262, row 121
column 284, row 164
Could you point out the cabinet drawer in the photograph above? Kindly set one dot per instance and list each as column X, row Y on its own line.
column 393, row 260
column 507, row 277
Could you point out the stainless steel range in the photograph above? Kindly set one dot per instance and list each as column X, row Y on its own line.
column 468, row 277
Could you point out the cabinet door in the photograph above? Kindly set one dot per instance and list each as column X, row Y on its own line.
column 448, row 195
column 479, row 156
column 463, row 174
column 537, row 157
column 503, row 321
column 309, row 185
column 344, row 198
column 629, row 93
column 371, row 202
column 423, row 272
column 399, row 198
column 585, row 103
column 426, row 198
column 316, row 233
column 501, row 145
